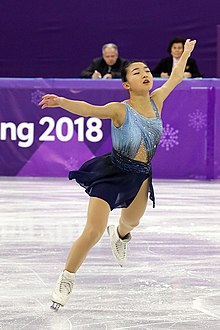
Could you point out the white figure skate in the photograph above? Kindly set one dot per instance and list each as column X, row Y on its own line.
column 118, row 245
column 63, row 289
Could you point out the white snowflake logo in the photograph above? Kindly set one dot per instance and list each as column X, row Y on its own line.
column 36, row 96
column 169, row 138
column 71, row 164
column 197, row 120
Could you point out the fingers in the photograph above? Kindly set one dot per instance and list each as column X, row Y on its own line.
column 46, row 100
column 41, row 102
column 191, row 41
column 189, row 45
column 48, row 96
column 96, row 75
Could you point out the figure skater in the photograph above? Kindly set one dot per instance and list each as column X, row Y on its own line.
column 122, row 178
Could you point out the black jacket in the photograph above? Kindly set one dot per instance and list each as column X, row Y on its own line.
column 100, row 65
column 166, row 64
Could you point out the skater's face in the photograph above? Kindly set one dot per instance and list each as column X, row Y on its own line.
column 139, row 77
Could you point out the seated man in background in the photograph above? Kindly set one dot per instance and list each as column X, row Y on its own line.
column 107, row 67
column 166, row 65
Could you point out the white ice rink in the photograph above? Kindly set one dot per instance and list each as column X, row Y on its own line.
column 171, row 281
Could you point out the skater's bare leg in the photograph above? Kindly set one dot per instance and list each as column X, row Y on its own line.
column 97, row 218
column 130, row 217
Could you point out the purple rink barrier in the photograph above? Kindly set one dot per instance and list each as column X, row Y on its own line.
column 50, row 142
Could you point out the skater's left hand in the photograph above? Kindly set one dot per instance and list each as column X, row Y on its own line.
column 189, row 45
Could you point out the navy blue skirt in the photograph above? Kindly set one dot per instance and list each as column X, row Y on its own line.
column 114, row 178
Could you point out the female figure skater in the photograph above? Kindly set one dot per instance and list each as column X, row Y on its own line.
column 121, row 178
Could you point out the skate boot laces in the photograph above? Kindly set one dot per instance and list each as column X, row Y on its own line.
column 118, row 245
column 65, row 286
column 121, row 248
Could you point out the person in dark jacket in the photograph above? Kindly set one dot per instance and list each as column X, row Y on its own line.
column 106, row 67
column 166, row 65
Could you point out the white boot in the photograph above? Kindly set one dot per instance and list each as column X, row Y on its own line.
column 118, row 245
column 64, row 287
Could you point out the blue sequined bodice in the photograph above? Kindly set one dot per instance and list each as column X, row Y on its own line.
column 138, row 137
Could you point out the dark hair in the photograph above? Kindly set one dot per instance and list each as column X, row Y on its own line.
column 177, row 40
column 124, row 70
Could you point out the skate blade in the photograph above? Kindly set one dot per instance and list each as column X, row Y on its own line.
column 55, row 306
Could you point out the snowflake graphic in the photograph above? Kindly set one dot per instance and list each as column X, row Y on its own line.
column 36, row 96
column 169, row 138
column 71, row 164
column 197, row 120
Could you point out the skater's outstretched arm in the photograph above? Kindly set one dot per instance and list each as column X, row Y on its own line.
column 113, row 110
column 177, row 74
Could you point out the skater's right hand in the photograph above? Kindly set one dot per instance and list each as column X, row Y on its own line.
column 50, row 101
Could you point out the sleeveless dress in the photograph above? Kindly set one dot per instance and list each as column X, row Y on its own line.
column 116, row 177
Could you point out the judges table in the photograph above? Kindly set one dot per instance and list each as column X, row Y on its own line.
column 50, row 142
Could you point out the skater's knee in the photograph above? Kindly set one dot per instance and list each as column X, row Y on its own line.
column 92, row 235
